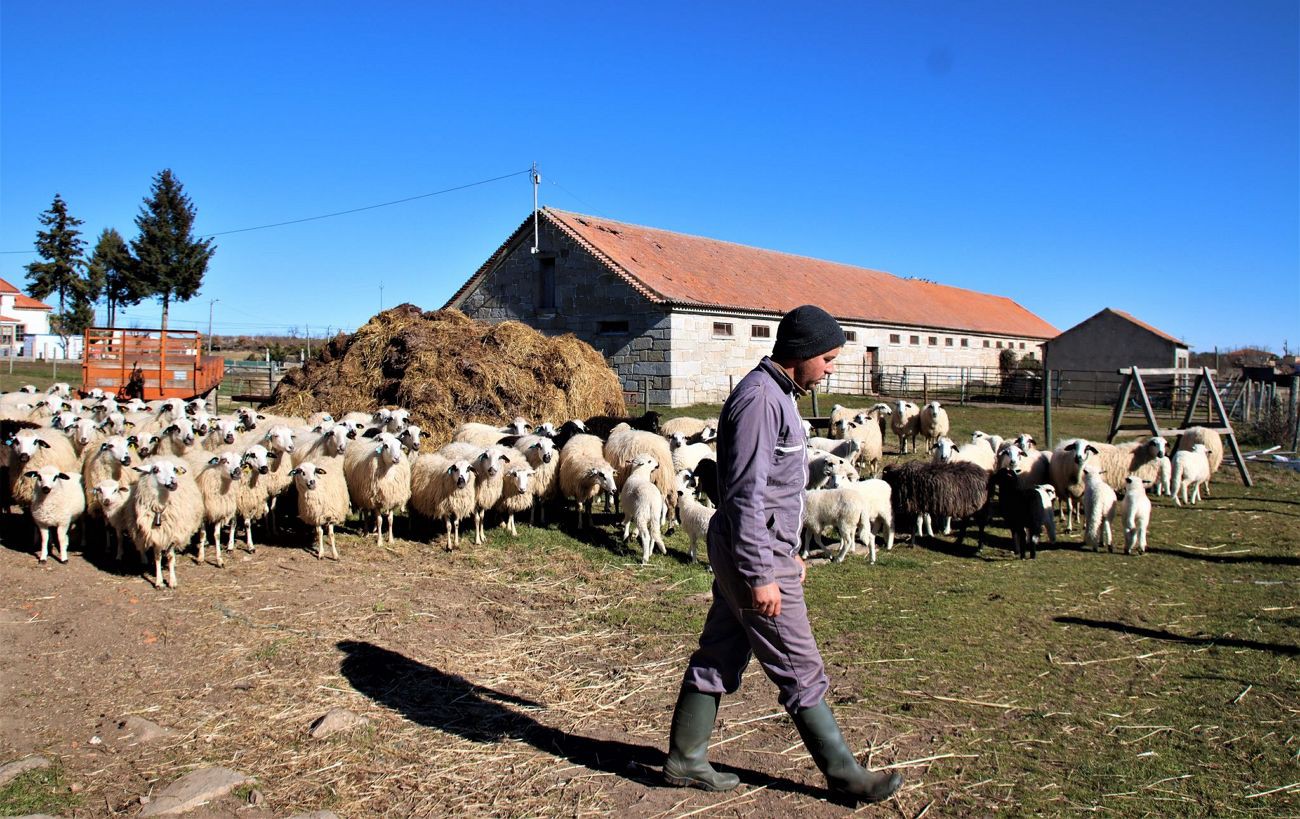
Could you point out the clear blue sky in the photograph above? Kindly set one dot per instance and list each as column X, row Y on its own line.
column 1072, row 156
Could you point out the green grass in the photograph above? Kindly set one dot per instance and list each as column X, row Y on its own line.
column 1163, row 684
column 40, row 374
column 41, row 791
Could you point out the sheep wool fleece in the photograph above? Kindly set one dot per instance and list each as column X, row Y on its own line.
column 753, row 541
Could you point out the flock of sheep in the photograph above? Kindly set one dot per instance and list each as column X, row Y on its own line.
column 163, row 474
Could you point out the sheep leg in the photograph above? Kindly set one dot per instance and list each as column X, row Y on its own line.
column 947, row 525
column 157, row 569
column 43, row 535
column 275, row 524
column 391, row 517
column 1142, row 536
column 334, row 550
column 248, row 535
column 62, row 534
column 230, row 545
column 510, row 525
column 171, row 567
column 320, row 542
column 203, row 540
column 647, row 545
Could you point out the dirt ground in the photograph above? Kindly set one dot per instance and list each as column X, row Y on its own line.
column 488, row 688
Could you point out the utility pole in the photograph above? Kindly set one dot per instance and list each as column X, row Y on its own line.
column 210, row 303
column 537, row 180
column 381, row 297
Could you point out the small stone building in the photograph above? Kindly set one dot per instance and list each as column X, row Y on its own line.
column 685, row 316
column 1088, row 355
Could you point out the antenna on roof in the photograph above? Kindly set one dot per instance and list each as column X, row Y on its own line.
column 537, row 180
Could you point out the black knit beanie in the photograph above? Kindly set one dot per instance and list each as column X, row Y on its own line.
column 805, row 332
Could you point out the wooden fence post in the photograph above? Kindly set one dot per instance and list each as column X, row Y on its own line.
column 1047, row 410
column 925, row 388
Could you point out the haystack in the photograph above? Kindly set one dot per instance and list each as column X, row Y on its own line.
column 447, row 369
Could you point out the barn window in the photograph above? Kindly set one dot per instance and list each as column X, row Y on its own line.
column 1022, row 345
column 999, row 345
column 895, row 338
column 722, row 328
column 947, row 342
column 850, row 335
column 755, row 331
column 965, row 342
column 611, row 328
column 915, row 339
column 986, row 342
column 934, row 341
column 546, row 283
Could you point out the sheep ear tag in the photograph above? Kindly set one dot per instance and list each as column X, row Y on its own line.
column 180, row 470
column 214, row 461
column 320, row 471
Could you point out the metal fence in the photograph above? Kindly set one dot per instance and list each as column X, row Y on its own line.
column 958, row 385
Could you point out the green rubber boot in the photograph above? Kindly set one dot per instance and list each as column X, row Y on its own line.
column 844, row 775
column 688, row 745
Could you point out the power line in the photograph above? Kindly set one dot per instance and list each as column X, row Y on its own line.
column 372, row 207
column 345, row 212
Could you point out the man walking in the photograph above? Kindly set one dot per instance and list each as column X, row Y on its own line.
column 758, row 605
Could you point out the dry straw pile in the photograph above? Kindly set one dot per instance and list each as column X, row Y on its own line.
column 447, row 368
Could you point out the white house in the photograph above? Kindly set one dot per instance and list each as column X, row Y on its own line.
column 25, row 327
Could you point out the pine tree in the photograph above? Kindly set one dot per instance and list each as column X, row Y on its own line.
column 61, row 272
column 115, row 268
column 170, row 263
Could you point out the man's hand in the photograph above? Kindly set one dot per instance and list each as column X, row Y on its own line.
column 767, row 600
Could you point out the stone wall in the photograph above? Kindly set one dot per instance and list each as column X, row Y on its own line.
column 590, row 301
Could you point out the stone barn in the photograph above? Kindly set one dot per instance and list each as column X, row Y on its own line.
column 683, row 316
column 1088, row 355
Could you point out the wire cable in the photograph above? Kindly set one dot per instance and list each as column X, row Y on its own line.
column 370, row 207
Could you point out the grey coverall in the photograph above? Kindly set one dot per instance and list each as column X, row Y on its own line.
column 754, row 540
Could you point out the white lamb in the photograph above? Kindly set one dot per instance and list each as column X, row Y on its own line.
column 1213, row 443
column 694, row 515
column 322, row 501
column 1164, row 476
column 378, row 475
column 58, row 501
column 111, row 460
column 905, row 422
column 443, row 489
column 1067, row 472
column 516, row 495
column 932, row 423
column 113, row 500
column 166, row 512
column 836, row 508
column 876, row 498
column 1136, row 514
column 544, row 458
column 1191, row 471
column 1098, row 509
column 643, row 507
column 688, row 456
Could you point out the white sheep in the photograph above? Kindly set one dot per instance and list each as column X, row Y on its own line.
column 1139, row 457
column 625, row 445
column 178, row 439
column 322, row 501
column 848, row 449
column 825, row 468
column 279, row 443
column 1136, row 514
column 687, row 456
column 1098, row 509
column 443, row 489
column 480, row 435
column 1032, row 467
column 585, row 474
column 1067, row 472
column 871, row 446
column 687, row 426
column 993, row 442
column 932, row 423
column 252, row 501
column 516, row 495
column 643, row 506
column 111, row 460
column 831, row 507
column 877, row 513
column 905, row 422
column 31, row 449
column 378, row 475
column 166, row 512
column 489, row 482
column 323, row 445
column 58, row 501
column 1191, row 471
column 219, row 478
column 694, row 515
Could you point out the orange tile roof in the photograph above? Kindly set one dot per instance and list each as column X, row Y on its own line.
column 22, row 301
column 682, row 270
column 7, row 320
column 1147, row 327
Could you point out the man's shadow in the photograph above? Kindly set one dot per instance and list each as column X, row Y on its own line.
column 451, row 703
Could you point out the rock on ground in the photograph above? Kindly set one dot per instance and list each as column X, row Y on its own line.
column 334, row 721
column 15, row 769
column 194, row 790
